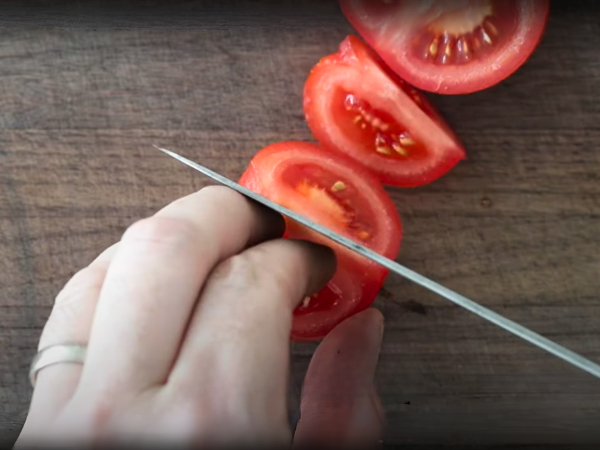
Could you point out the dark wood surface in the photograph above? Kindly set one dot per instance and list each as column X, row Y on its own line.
column 515, row 227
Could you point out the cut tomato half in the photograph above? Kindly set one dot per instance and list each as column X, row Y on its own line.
column 450, row 46
column 355, row 105
column 335, row 192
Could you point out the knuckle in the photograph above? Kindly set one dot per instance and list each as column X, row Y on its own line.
column 161, row 231
column 238, row 272
column 69, row 316
column 256, row 268
column 281, row 270
column 244, row 287
column 92, row 414
column 219, row 194
column 219, row 414
column 58, row 326
column 208, row 199
column 259, row 275
column 81, row 285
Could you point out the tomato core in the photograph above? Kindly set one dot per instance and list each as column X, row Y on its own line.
column 460, row 34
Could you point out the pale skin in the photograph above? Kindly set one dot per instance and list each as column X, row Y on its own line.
column 187, row 323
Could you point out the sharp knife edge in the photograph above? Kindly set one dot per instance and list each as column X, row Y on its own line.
column 460, row 300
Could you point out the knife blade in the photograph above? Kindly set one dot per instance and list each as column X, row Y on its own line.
column 524, row 333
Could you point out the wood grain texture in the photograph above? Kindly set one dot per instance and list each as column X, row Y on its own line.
column 514, row 227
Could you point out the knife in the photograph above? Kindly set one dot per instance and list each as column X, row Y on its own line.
column 460, row 300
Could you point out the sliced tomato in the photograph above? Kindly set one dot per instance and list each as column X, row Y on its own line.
column 450, row 46
column 355, row 105
column 335, row 192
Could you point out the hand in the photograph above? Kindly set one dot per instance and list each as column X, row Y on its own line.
column 187, row 322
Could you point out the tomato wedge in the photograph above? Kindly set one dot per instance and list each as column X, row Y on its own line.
column 335, row 192
column 355, row 105
column 450, row 46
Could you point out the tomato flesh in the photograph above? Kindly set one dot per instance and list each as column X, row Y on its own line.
column 335, row 192
column 450, row 46
column 355, row 105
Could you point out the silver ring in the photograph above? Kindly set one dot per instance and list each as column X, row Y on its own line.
column 55, row 354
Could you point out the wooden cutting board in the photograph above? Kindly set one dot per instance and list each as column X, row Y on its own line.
column 85, row 91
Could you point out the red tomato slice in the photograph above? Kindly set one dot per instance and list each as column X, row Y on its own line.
column 450, row 46
column 335, row 192
column 354, row 104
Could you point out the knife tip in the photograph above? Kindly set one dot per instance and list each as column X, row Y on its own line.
column 166, row 152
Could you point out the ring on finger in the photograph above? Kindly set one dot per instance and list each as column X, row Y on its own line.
column 55, row 354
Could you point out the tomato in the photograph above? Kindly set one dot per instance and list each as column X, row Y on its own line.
column 337, row 193
column 450, row 46
column 355, row 105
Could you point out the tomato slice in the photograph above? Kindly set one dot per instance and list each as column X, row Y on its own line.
column 354, row 104
column 335, row 192
column 450, row 46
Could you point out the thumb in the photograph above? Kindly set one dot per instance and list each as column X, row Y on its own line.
column 339, row 406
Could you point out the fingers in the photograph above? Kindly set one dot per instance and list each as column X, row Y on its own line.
column 153, row 283
column 69, row 322
column 240, row 330
column 339, row 406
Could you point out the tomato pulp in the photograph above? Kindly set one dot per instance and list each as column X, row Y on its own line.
column 355, row 105
column 335, row 192
column 450, row 46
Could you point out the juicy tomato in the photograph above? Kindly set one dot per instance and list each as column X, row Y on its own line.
column 337, row 193
column 450, row 46
column 354, row 104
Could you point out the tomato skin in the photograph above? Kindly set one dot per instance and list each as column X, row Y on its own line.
column 393, row 47
column 357, row 68
column 357, row 280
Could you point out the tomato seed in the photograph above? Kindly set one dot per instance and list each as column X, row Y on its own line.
column 363, row 235
column 399, row 149
column 338, row 186
column 385, row 144
column 433, row 48
column 406, row 141
column 486, row 37
column 305, row 302
column 491, row 29
column 384, row 150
